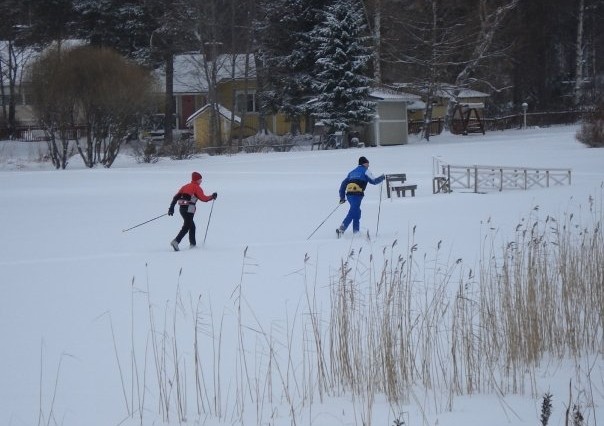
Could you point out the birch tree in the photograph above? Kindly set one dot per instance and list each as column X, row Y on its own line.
column 491, row 20
column 429, row 45
column 444, row 45
column 373, row 14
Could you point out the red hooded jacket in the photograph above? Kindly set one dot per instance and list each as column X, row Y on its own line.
column 189, row 194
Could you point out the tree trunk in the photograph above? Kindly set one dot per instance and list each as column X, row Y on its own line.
column 377, row 36
column 3, row 94
column 490, row 23
column 12, row 72
column 579, row 54
column 169, row 100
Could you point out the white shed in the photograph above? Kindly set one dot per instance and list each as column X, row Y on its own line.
column 389, row 126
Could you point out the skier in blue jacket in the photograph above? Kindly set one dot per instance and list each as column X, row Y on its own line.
column 352, row 189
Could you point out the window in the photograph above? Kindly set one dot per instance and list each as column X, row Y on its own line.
column 245, row 102
column 20, row 98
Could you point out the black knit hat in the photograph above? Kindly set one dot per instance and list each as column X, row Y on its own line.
column 363, row 160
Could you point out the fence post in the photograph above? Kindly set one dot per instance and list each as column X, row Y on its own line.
column 525, row 179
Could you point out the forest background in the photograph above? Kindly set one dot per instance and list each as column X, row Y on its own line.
column 546, row 53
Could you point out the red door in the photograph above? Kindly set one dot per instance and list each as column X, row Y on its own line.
column 187, row 109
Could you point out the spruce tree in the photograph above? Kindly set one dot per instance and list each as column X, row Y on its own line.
column 341, row 75
column 287, row 57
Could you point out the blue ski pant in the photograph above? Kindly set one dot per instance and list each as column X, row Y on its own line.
column 354, row 213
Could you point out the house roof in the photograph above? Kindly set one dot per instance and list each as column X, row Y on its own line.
column 190, row 71
column 463, row 93
column 225, row 112
column 416, row 105
column 444, row 90
column 391, row 95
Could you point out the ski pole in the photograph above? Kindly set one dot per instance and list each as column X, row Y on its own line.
column 208, row 225
column 140, row 224
column 321, row 224
column 379, row 210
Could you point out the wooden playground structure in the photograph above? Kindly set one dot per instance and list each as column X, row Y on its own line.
column 468, row 118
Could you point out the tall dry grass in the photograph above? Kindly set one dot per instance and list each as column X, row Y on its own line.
column 397, row 323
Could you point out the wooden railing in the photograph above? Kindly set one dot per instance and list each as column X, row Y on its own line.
column 484, row 178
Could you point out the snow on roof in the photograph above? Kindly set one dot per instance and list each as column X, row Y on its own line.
column 391, row 95
column 467, row 93
column 477, row 105
column 416, row 105
column 444, row 90
column 66, row 44
column 190, row 72
column 225, row 112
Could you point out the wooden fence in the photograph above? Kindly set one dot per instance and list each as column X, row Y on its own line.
column 515, row 121
column 37, row 134
column 484, row 178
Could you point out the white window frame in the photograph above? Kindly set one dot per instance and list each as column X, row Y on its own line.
column 251, row 97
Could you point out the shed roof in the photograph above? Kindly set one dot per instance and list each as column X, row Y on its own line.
column 225, row 112
column 443, row 90
column 391, row 95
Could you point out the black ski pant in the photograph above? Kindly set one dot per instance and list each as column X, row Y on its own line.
column 187, row 226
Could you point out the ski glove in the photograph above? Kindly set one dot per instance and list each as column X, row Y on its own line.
column 171, row 211
column 342, row 201
column 215, row 195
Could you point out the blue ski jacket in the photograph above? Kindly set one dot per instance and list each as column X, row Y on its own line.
column 356, row 181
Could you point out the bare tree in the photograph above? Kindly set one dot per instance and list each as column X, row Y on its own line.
column 429, row 44
column 579, row 56
column 491, row 20
column 373, row 14
column 14, row 55
column 224, row 36
column 54, row 103
column 94, row 89
column 12, row 60
column 443, row 44
column 171, row 35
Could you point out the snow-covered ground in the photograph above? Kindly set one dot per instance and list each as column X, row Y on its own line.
column 87, row 310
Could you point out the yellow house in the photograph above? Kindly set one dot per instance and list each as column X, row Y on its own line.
column 236, row 87
column 200, row 122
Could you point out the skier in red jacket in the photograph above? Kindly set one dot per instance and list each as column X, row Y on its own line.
column 186, row 197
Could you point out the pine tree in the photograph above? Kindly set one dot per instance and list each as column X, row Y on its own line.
column 49, row 21
column 342, row 63
column 287, row 56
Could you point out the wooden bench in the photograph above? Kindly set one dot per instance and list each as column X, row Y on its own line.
column 401, row 190
column 396, row 182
